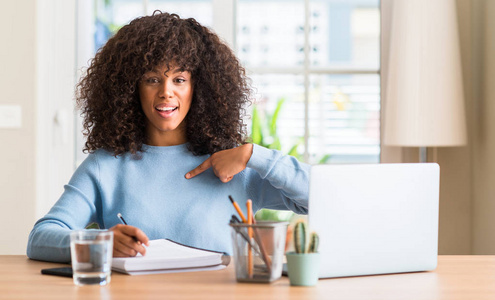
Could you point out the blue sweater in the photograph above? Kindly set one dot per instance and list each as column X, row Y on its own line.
column 153, row 195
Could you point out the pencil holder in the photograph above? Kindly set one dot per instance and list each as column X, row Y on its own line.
column 258, row 250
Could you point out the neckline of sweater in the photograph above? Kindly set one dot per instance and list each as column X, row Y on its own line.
column 165, row 149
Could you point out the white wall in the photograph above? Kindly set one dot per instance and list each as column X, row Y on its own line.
column 55, row 63
column 36, row 73
column 17, row 146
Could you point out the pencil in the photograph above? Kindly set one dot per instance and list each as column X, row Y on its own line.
column 239, row 211
column 235, row 220
column 249, row 205
column 264, row 255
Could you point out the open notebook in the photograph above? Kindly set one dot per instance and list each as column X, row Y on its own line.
column 166, row 256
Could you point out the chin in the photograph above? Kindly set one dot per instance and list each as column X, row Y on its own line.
column 167, row 127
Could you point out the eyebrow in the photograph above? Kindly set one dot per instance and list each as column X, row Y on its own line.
column 174, row 71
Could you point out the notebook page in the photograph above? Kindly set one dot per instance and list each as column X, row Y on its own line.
column 165, row 254
column 169, row 249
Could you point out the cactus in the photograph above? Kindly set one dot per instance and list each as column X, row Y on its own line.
column 314, row 241
column 300, row 237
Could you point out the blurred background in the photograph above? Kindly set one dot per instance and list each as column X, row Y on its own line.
column 318, row 68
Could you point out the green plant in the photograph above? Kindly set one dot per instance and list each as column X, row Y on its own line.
column 300, row 239
column 264, row 128
column 264, row 133
column 314, row 242
column 274, row 215
column 92, row 225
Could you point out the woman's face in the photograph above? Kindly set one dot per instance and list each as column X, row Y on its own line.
column 166, row 96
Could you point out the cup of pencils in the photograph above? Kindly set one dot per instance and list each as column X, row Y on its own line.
column 258, row 247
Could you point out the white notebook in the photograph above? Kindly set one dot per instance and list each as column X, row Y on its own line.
column 166, row 256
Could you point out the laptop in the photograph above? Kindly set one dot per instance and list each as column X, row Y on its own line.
column 375, row 219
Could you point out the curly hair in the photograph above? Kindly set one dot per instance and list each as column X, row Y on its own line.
column 108, row 94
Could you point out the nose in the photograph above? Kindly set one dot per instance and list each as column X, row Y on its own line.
column 166, row 90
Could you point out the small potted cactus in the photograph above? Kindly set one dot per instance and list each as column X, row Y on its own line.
column 303, row 264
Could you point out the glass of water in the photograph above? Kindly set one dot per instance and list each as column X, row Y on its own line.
column 91, row 254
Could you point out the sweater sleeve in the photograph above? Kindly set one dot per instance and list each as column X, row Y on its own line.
column 49, row 239
column 283, row 181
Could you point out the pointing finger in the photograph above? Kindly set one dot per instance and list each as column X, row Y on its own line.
column 226, row 179
column 199, row 169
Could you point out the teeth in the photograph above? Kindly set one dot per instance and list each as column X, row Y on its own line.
column 166, row 108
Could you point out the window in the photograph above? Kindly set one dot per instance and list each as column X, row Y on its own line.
column 321, row 59
column 317, row 60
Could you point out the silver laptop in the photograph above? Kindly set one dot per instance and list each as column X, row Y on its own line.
column 375, row 219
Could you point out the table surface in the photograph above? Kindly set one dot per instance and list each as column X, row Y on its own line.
column 456, row 277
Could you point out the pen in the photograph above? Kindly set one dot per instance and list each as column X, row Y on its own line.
column 239, row 211
column 121, row 218
column 119, row 215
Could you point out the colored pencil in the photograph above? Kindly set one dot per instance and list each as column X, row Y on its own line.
column 264, row 255
column 249, row 206
column 239, row 211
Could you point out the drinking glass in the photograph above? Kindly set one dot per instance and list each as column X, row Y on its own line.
column 91, row 254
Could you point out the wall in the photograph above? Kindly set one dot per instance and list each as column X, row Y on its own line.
column 55, row 64
column 484, row 128
column 37, row 73
column 17, row 150
column 467, row 202
column 455, row 227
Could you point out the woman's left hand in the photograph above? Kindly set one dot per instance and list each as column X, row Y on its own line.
column 225, row 163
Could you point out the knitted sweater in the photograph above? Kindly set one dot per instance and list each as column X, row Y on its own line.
column 152, row 194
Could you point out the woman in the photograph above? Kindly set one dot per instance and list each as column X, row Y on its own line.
column 162, row 103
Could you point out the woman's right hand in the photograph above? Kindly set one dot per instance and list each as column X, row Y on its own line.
column 128, row 241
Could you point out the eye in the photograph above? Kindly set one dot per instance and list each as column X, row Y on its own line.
column 180, row 80
column 151, row 80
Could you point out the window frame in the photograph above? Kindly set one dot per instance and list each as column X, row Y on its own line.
column 307, row 70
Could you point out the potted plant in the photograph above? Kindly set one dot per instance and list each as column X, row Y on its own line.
column 303, row 264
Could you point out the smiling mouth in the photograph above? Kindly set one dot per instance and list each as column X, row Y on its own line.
column 166, row 109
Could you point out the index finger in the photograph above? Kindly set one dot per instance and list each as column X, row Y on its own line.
column 137, row 233
column 199, row 169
